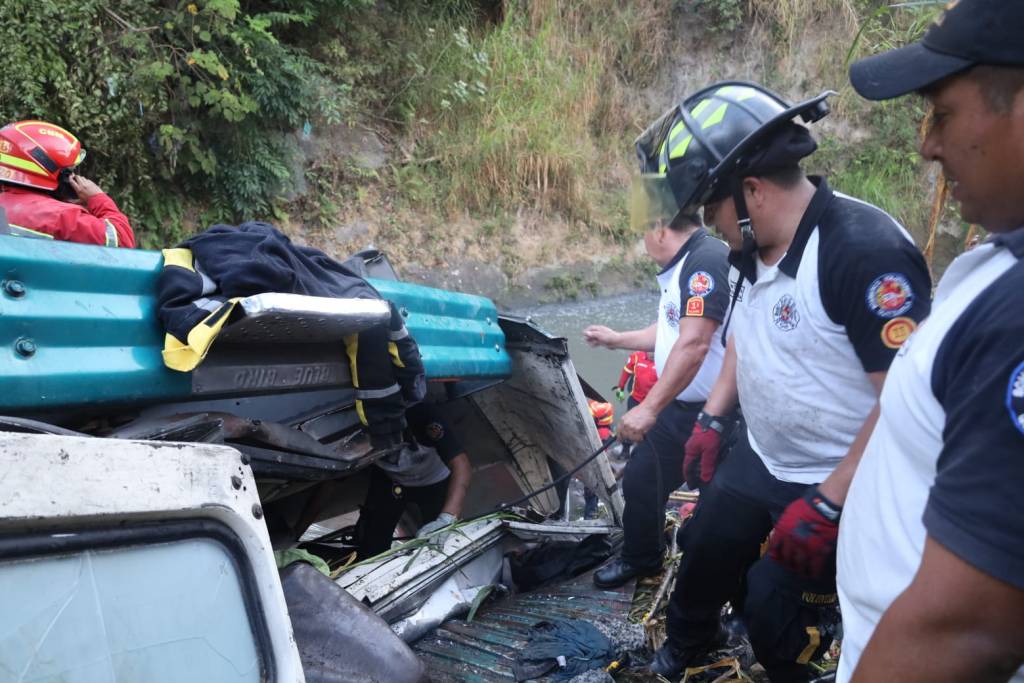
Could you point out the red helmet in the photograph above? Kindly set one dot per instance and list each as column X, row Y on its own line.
column 34, row 154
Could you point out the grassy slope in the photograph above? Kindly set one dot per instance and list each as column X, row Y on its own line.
column 509, row 142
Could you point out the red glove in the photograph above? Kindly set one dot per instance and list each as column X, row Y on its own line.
column 804, row 539
column 702, row 453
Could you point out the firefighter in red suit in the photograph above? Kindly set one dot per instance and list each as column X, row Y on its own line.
column 641, row 370
column 42, row 196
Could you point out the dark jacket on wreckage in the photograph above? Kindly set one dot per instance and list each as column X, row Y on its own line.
column 204, row 277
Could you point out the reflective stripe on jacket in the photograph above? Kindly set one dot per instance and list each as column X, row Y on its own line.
column 32, row 213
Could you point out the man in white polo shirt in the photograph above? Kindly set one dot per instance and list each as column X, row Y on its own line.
column 825, row 288
column 686, row 340
column 931, row 546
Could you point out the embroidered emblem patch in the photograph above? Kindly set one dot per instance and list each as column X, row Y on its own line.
column 695, row 307
column 672, row 314
column 890, row 295
column 435, row 431
column 701, row 284
column 896, row 331
column 785, row 314
column 1015, row 397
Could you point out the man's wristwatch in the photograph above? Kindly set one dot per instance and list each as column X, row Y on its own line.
column 711, row 422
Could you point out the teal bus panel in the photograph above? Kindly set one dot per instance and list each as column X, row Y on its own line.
column 78, row 326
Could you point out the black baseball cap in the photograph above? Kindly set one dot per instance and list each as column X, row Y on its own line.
column 968, row 33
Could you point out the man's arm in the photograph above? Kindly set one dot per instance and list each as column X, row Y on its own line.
column 100, row 221
column 681, row 366
column 953, row 623
column 458, row 484
column 724, row 394
column 805, row 537
column 640, row 340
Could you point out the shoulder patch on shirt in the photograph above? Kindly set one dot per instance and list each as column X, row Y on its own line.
column 695, row 307
column 897, row 330
column 785, row 315
column 890, row 295
column 1015, row 397
column 701, row 284
column 435, row 431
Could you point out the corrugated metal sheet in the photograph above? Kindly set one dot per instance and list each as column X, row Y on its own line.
column 90, row 315
column 483, row 650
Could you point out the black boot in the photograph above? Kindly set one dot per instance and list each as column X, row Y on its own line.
column 669, row 662
column 618, row 572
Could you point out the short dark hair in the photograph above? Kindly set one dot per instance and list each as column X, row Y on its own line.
column 786, row 178
column 999, row 85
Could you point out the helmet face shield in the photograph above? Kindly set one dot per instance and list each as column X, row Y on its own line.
column 652, row 203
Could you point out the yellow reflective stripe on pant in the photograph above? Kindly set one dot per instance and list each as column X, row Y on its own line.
column 813, row 641
column 387, row 374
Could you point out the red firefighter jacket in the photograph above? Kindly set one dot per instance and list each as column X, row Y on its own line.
column 36, row 214
column 639, row 366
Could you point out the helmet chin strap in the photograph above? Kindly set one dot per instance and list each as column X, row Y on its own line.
column 749, row 246
column 743, row 219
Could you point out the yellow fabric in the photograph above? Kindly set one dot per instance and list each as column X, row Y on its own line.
column 351, row 349
column 186, row 357
column 814, row 640
column 395, row 358
column 179, row 257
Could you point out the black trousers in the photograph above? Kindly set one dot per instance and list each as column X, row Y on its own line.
column 387, row 374
column 384, row 505
column 721, row 546
column 654, row 470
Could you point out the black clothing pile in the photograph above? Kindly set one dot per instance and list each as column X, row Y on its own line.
column 205, row 276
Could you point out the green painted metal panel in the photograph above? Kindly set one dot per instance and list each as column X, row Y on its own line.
column 91, row 315
column 78, row 326
column 458, row 334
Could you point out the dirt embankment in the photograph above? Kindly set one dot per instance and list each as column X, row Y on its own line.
column 535, row 254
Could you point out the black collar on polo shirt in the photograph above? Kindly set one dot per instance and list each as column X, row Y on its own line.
column 1013, row 240
column 790, row 263
column 689, row 244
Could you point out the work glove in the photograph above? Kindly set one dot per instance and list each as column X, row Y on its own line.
column 620, row 394
column 444, row 519
column 804, row 539
column 703, row 450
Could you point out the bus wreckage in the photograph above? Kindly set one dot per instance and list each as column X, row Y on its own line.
column 145, row 513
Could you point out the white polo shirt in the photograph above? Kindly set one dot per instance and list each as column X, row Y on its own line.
column 693, row 285
column 946, row 458
column 807, row 330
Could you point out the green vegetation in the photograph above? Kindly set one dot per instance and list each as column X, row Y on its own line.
column 507, row 125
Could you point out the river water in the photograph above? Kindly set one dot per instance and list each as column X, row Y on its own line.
column 599, row 367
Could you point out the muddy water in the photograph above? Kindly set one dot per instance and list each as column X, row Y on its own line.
column 599, row 367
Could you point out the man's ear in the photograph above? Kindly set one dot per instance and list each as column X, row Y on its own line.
column 754, row 190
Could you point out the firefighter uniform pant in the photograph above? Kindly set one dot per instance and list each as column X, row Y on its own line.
column 654, row 470
column 387, row 374
column 383, row 508
column 789, row 620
